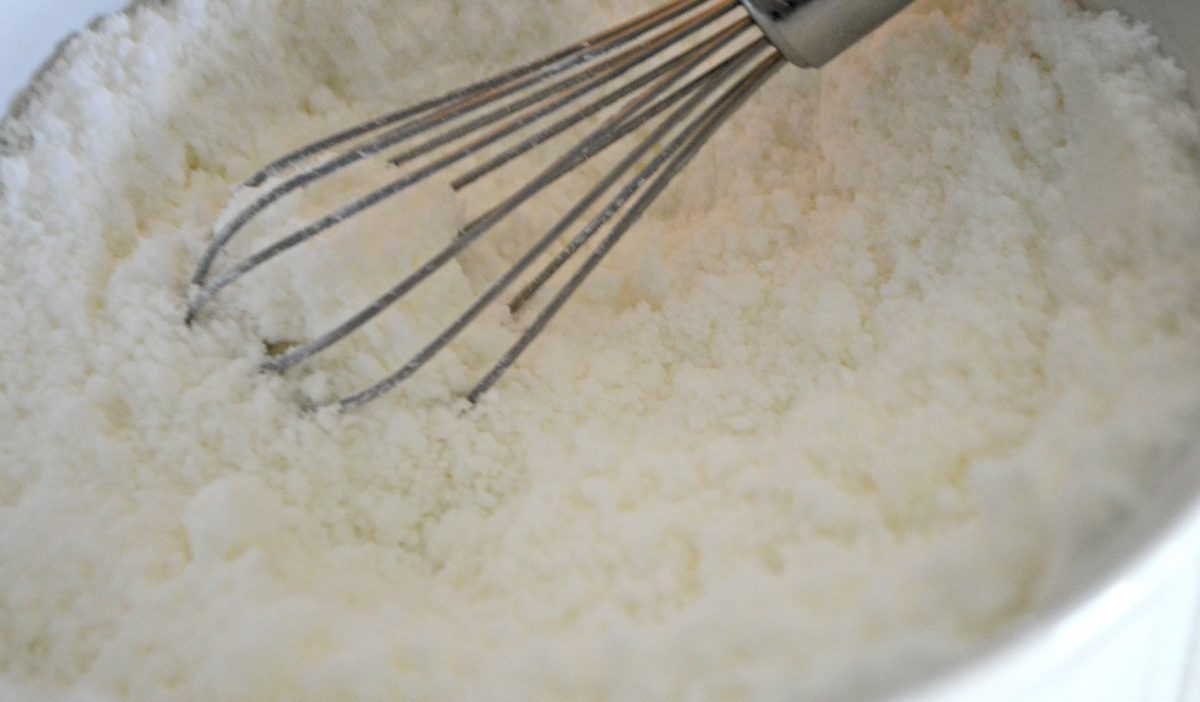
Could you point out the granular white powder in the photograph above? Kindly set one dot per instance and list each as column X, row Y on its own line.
column 909, row 338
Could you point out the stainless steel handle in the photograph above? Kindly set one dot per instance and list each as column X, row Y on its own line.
column 812, row 33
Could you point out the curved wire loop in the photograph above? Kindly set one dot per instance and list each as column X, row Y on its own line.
column 671, row 93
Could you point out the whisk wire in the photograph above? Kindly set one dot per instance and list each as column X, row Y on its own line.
column 667, row 73
column 448, row 110
column 680, row 152
column 559, row 61
column 589, row 81
column 678, row 99
column 711, row 83
column 676, row 67
column 601, row 139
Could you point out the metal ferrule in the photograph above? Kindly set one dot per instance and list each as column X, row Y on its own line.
column 811, row 33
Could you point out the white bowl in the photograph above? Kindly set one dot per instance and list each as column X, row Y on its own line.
column 1129, row 629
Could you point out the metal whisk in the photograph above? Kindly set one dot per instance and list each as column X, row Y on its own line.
column 672, row 76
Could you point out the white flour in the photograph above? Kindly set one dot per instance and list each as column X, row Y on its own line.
column 908, row 339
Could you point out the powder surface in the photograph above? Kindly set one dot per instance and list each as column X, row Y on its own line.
column 909, row 338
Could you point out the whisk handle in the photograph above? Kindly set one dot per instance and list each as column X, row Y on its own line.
column 812, row 33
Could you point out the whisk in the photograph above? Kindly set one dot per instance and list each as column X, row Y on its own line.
column 671, row 77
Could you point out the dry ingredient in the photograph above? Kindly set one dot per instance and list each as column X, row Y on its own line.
column 907, row 341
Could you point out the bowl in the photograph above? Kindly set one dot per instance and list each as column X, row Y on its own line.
column 1127, row 626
